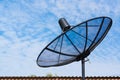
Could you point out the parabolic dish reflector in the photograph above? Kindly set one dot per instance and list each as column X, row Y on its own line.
column 76, row 43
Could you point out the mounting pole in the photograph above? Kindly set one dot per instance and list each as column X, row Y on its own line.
column 83, row 68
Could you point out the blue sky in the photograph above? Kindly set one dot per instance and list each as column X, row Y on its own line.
column 27, row 26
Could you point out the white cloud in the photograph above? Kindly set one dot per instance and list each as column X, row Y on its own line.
column 29, row 26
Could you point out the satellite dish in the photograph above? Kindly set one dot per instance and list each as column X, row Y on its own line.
column 75, row 43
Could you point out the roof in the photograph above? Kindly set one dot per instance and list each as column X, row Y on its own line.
column 59, row 78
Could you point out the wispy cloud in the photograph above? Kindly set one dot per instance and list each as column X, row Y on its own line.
column 27, row 26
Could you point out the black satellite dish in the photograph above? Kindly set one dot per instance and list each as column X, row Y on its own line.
column 75, row 43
